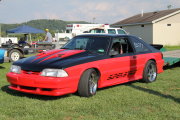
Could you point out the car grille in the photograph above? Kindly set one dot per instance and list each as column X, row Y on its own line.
column 30, row 72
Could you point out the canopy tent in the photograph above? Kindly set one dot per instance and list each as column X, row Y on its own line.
column 24, row 29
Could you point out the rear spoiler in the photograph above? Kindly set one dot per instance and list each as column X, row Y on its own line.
column 157, row 46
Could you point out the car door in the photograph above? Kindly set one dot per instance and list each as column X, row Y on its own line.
column 121, row 66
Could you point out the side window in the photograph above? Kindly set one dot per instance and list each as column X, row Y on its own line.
column 121, row 45
column 121, row 31
column 111, row 31
column 97, row 31
column 139, row 46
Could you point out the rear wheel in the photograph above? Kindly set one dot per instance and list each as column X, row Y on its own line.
column 15, row 55
column 88, row 83
column 150, row 72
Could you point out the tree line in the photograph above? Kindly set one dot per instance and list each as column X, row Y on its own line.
column 53, row 25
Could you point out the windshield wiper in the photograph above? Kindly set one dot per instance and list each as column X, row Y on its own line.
column 78, row 49
column 64, row 48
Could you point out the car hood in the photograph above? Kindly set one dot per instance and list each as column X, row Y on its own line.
column 60, row 59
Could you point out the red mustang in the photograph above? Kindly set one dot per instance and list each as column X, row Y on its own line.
column 86, row 63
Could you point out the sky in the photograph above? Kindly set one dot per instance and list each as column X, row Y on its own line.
column 97, row 11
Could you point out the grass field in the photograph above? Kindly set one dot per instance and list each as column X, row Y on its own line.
column 132, row 101
column 172, row 47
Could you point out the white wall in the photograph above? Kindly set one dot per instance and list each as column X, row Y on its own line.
column 167, row 35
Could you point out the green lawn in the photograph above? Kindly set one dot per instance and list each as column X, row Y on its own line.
column 172, row 47
column 133, row 101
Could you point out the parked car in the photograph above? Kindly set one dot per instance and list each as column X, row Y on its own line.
column 108, row 30
column 3, row 54
column 86, row 63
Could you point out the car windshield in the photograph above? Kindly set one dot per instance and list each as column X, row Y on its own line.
column 93, row 44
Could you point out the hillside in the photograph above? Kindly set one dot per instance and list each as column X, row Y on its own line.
column 53, row 25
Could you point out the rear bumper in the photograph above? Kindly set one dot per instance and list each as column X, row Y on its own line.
column 160, row 65
column 41, row 85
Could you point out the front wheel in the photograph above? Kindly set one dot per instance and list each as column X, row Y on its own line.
column 88, row 83
column 150, row 72
column 15, row 55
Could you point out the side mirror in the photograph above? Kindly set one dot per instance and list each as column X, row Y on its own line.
column 113, row 53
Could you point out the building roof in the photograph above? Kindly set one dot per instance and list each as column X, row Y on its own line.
column 149, row 17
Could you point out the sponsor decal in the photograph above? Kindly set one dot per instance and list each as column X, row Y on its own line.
column 118, row 75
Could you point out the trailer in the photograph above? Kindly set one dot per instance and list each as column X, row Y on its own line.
column 171, row 57
column 77, row 29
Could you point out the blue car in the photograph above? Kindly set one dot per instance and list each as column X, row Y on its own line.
column 2, row 55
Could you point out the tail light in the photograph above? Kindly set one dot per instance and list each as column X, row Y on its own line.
column 162, row 55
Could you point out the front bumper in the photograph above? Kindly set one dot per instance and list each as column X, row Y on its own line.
column 36, row 84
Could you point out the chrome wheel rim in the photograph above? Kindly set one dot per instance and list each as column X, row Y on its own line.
column 15, row 56
column 152, row 72
column 93, row 79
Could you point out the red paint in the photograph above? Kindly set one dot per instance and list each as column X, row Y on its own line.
column 63, row 54
column 57, row 53
column 36, row 84
column 44, row 54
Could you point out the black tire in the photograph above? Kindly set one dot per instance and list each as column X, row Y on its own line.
column 15, row 55
column 150, row 72
column 88, row 83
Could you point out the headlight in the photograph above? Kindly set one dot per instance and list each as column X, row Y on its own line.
column 54, row 73
column 15, row 69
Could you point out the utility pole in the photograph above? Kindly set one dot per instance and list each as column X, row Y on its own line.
column 94, row 20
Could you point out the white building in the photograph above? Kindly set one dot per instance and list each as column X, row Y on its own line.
column 159, row 27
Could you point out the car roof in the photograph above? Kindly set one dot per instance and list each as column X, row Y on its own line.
column 106, row 35
column 118, row 35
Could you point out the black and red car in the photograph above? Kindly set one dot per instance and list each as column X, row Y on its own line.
column 86, row 63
